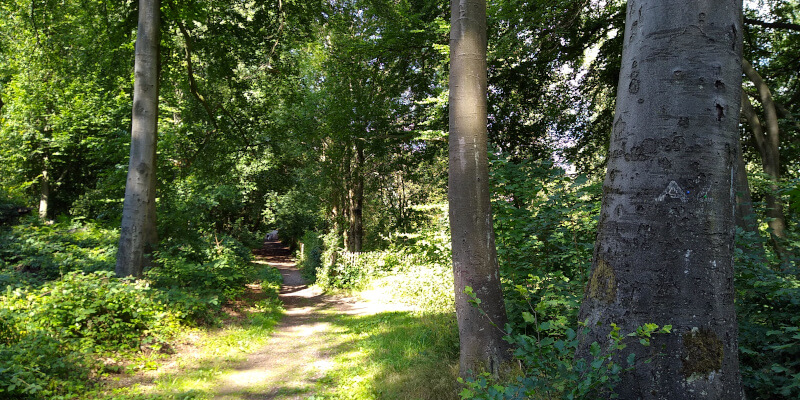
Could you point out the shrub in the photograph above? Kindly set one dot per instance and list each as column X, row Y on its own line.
column 551, row 369
column 52, row 250
column 309, row 260
column 96, row 311
column 38, row 366
column 216, row 273
column 427, row 287
column 768, row 310
column 48, row 334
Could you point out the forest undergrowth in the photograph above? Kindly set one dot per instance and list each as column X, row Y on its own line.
column 68, row 327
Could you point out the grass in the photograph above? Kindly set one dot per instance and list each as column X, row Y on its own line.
column 388, row 355
column 197, row 374
column 211, row 354
column 394, row 355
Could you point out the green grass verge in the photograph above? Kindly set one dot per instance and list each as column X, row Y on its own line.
column 394, row 355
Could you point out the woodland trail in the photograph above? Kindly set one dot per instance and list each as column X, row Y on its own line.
column 294, row 362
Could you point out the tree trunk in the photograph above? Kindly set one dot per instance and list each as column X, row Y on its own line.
column 44, row 193
column 357, row 202
column 474, row 253
column 767, row 143
column 347, row 194
column 138, row 230
column 745, row 216
column 665, row 240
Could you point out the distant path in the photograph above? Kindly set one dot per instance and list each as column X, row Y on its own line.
column 303, row 343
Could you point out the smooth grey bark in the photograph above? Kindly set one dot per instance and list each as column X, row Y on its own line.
column 138, row 231
column 44, row 193
column 664, row 249
column 473, row 244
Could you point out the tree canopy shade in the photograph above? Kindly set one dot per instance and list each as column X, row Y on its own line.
column 665, row 241
column 328, row 120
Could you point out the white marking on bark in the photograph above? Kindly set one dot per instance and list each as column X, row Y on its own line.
column 674, row 191
column 462, row 145
column 686, row 257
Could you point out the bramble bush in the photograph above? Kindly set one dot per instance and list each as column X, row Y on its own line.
column 221, row 268
column 47, row 251
column 48, row 334
column 62, row 309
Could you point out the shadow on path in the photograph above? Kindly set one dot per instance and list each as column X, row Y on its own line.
column 300, row 350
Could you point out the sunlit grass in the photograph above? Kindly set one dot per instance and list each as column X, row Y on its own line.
column 197, row 374
column 394, row 355
column 404, row 355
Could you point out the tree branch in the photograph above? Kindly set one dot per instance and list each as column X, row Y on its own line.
column 755, row 124
column 190, row 71
column 773, row 25
column 770, row 114
column 278, row 36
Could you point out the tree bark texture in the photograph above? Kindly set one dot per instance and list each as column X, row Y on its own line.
column 138, row 231
column 474, row 253
column 664, row 249
column 767, row 141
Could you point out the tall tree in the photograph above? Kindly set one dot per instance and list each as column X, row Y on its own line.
column 138, row 234
column 474, row 253
column 664, row 247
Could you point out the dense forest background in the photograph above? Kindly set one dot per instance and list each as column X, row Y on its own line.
column 328, row 121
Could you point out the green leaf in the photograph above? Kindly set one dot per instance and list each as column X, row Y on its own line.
column 528, row 317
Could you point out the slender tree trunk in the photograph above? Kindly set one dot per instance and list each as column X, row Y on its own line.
column 44, row 193
column 138, row 230
column 745, row 216
column 357, row 202
column 665, row 240
column 347, row 195
column 474, row 253
column 767, row 142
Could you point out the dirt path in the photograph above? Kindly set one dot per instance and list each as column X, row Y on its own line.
column 301, row 349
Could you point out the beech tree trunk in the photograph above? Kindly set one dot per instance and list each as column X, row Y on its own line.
column 474, row 253
column 665, row 239
column 356, row 196
column 138, row 231
column 44, row 193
